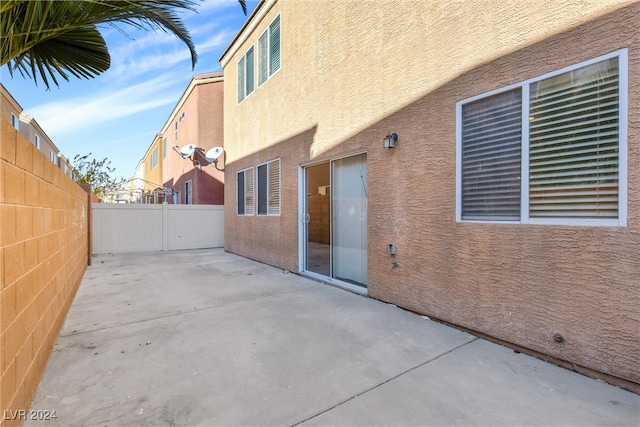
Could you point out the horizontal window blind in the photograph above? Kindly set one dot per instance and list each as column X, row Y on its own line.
column 262, row 189
column 240, row 189
column 263, row 57
column 274, row 45
column 274, row 188
column 250, row 72
column 491, row 157
column 573, row 143
column 241, row 89
column 249, row 193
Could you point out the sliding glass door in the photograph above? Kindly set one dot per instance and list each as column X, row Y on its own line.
column 335, row 220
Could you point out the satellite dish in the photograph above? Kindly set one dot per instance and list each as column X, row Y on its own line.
column 214, row 154
column 187, row 150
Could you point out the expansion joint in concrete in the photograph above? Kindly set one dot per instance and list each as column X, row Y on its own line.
column 426, row 362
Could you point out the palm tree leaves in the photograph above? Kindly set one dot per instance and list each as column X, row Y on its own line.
column 54, row 38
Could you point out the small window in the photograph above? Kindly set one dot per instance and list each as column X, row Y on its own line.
column 269, row 51
column 37, row 141
column 52, row 156
column 269, row 188
column 175, row 131
column 549, row 150
column 246, row 73
column 164, row 147
column 182, row 116
column 15, row 122
column 154, row 158
column 244, row 185
column 176, row 197
column 187, row 193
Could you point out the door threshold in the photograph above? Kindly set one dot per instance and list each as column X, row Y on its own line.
column 360, row 290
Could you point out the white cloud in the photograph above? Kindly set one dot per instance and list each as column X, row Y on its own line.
column 154, row 51
column 75, row 115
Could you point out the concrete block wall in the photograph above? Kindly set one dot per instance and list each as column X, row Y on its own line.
column 319, row 219
column 44, row 220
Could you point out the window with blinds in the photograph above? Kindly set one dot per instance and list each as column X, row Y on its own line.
column 269, row 188
column 573, row 143
column 244, row 186
column 269, row 51
column 246, row 73
column 547, row 150
column 491, row 150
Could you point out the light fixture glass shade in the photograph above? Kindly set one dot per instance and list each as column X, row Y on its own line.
column 390, row 140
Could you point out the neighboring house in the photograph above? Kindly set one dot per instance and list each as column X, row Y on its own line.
column 510, row 204
column 151, row 181
column 136, row 185
column 196, row 119
column 29, row 127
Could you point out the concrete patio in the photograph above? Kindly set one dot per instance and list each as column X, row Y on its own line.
column 205, row 337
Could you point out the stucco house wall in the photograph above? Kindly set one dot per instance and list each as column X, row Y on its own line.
column 199, row 116
column 350, row 75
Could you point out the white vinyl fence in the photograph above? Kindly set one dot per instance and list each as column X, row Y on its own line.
column 121, row 228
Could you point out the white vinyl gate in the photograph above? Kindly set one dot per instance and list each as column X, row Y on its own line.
column 121, row 228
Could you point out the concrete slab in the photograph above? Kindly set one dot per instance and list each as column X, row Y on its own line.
column 209, row 338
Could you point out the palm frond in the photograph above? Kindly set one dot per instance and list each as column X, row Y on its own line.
column 61, row 37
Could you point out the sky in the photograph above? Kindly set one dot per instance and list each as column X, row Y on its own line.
column 117, row 114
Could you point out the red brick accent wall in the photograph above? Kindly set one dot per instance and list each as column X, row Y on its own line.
column 43, row 256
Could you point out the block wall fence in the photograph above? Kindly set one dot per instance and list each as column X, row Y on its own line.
column 44, row 252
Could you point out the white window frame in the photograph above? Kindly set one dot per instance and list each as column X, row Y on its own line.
column 623, row 67
column 15, row 122
column 36, row 141
column 164, row 147
column 267, row 33
column 188, row 193
column 53, row 157
column 249, row 209
column 244, row 95
column 269, row 212
column 175, row 132
column 176, row 198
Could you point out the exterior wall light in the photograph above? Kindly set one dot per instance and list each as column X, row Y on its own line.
column 390, row 140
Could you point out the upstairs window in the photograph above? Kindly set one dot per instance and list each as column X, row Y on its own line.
column 244, row 185
column 164, row 147
column 15, row 122
column 246, row 72
column 154, row 158
column 37, row 141
column 549, row 150
column 269, row 188
column 269, row 51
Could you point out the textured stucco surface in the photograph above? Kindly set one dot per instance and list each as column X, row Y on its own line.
column 346, row 81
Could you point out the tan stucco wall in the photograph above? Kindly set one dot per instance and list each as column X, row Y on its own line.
column 43, row 256
column 351, row 73
column 153, row 175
